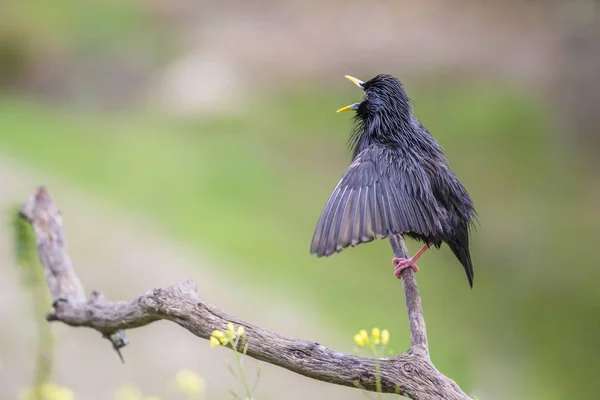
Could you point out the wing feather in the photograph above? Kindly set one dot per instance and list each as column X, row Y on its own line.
column 358, row 215
column 345, row 224
column 379, row 194
column 330, row 223
column 375, row 216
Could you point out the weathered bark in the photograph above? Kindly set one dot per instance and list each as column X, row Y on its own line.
column 411, row 374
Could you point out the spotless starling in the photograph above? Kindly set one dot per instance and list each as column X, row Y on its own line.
column 399, row 183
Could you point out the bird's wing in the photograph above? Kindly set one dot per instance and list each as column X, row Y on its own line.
column 381, row 193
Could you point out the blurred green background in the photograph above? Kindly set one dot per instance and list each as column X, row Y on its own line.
column 217, row 122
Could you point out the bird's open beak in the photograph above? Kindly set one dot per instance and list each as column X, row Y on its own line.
column 350, row 107
column 358, row 83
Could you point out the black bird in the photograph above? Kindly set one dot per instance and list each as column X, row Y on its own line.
column 399, row 183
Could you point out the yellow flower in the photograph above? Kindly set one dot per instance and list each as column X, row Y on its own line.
column 360, row 340
column 190, row 383
column 224, row 341
column 385, row 336
column 219, row 337
column 229, row 336
column 241, row 331
column 61, row 393
column 218, row 334
column 47, row 391
column 128, row 392
column 375, row 333
column 364, row 334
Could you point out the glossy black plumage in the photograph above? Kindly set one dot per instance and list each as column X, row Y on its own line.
column 399, row 182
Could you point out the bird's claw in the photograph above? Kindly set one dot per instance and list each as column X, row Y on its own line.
column 400, row 264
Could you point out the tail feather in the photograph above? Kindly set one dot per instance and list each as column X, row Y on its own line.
column 460, row 248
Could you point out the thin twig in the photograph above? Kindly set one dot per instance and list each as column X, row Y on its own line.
column 418, row 331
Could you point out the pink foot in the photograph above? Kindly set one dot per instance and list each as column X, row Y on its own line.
column 401, row 264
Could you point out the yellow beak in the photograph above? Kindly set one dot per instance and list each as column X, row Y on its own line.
column 358, row 83
column 350, row 107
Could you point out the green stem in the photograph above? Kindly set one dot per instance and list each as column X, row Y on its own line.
column 378, row 378
column 33, row 280
column 238, row 358
column 375, row 354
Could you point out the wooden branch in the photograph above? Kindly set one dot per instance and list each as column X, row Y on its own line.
column 411, row 374
column 418, row 332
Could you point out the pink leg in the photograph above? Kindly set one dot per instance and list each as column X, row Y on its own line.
column 401, row 264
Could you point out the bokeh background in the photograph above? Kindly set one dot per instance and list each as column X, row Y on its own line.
column 193, row 139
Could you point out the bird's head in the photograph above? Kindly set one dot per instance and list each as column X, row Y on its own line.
column 385, row 97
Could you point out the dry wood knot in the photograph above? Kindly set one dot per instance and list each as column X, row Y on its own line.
column 95, row 297
column 60, row 304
